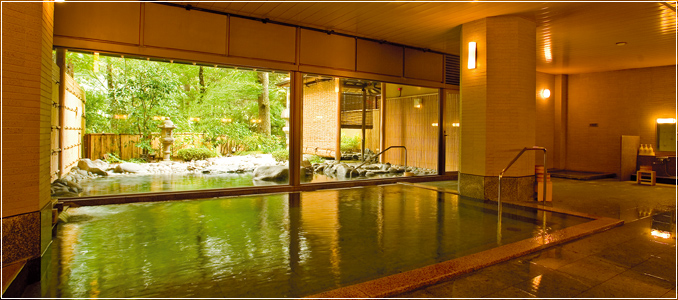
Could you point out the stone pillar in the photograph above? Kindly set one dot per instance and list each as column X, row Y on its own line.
column 498, row 108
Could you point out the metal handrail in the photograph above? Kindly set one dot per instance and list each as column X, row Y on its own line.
column 501, row 174
column 377, row 155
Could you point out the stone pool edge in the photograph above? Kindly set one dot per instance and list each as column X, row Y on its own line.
column 433, row 274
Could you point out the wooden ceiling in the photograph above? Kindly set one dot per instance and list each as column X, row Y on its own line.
column 578, row 37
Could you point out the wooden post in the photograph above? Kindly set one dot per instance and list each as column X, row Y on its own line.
column 382, row 123
column 362, row 147
column 441, row 132
column 296, row 126
column 339, row 89
column 61, row 63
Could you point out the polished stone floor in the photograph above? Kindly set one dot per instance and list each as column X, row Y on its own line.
column 624, row 262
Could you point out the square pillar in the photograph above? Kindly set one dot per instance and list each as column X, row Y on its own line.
column 498, row 108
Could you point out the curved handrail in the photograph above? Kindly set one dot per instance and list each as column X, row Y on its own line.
column 501, row 174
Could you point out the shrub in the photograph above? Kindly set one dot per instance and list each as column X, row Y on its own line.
column 195, row 154
column 350, row 144
column 315, row 159
column 281, row 155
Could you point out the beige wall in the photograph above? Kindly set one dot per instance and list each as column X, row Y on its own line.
column 625, row 102
column 545, row 118
column 26, row 104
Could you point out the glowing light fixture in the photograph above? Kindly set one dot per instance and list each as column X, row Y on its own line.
column 417, row 102
column 660, row 234
column 666, row 121
column 59, row 0
column 434, row 124
column 472, row 53
column 455, row 124
column 545, row 93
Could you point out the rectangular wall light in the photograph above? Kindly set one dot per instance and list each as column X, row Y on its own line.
column 472, row 53
column 666, row 121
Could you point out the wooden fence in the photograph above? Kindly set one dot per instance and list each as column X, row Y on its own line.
column 97, row 145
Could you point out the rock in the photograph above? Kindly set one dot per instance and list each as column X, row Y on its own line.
column 372, row 167
column 320, row 168
column 96, row 167
column 65, row 194
column 345, row 171
column 305, row 163
column 128, row 168
column 74, row 186
column 272, row 173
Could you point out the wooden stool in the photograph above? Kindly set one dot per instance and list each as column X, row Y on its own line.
column 646, row 177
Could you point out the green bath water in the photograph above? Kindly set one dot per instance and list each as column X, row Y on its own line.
column 278, row 245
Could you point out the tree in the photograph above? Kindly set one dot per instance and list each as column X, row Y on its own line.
column 264, row 105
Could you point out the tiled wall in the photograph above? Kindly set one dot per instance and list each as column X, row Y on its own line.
column 26, row 103
column 497, row 97
column 625, row 102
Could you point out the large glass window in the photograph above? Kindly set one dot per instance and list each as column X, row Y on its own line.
column 360, row 129
column 159, row 125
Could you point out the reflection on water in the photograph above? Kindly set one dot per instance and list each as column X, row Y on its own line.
column 282, row 245
column 128, row 184
column 124, row 184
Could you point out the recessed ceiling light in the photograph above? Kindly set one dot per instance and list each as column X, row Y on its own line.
column 621, row 43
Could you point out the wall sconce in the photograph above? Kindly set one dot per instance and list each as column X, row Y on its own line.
column 666, row 121
column 417, row 102
column 434, row 124
column 472, row 54
column 545, row 93
column 455, row 124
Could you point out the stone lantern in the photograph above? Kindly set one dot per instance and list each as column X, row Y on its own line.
column 166, row 137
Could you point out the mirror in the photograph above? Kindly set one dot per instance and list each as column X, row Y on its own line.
column 666, row 137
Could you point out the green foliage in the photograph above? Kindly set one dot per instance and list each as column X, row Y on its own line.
column 350, row 144
column 315, row 159
column 224, row 100
column 190, row 154
column 112, row 158
column 281, row 155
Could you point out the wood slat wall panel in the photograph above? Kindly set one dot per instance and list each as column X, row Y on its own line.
column 413, row 128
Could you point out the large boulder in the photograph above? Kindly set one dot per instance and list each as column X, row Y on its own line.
column 272, row 173
column 96, row 167
column 128, row 168
column 345, row 171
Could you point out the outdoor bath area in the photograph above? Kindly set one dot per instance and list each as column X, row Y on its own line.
column 375, row 241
